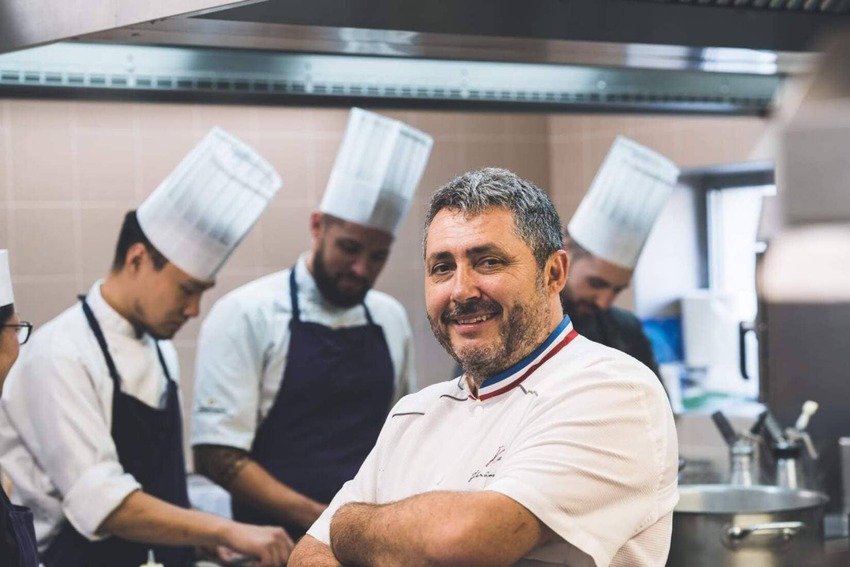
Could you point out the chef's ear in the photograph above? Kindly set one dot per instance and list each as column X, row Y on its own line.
column 135, row 258
column 555, row 272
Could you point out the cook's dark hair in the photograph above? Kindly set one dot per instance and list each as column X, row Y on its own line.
column 131, row 233
column 536, row 221
column 6, row 313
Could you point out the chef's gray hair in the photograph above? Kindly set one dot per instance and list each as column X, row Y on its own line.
column 536, row 221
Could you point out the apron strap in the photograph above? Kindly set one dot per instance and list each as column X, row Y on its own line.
column 293, row 295
column 101, row 340
column 293, row 298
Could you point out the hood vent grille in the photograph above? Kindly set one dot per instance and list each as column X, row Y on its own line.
column 826, row 6
column 113, row 71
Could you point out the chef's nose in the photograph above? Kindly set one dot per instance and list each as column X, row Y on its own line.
column 193, row 308
column 605, row 299
column 464, row 285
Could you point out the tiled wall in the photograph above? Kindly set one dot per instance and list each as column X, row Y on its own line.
column 70, row 170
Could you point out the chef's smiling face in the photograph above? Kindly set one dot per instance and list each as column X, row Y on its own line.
column 347, row 258
column 485, row 294
column 165, row 297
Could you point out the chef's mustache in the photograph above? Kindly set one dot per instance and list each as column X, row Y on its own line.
column 475, row 306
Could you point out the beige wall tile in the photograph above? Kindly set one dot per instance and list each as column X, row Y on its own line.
column 281, row 120
column 569, row 176
column 437, row 123
column 247, row 258
column 106, row 166
column 157, row 118
column 44, row 242
column 527, row 124
column 286, row 233
column 490, row 124
column 328, row 121
column 324, row 154
column 529, row 160
column 158, row 155
column 40, row 113
column 110, row 115
column 236, row 119
column 482, row 153
column 5, row 216
column 293, row 157
column 42, row 163
column 444, row 164
column 569, row 126
column 99, row 229
column 608, row 125
column 39, row 301
column 5, row 161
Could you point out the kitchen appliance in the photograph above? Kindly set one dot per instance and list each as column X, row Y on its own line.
column 747, row 526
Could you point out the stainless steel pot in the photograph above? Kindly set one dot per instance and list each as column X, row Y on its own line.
column 718, row 525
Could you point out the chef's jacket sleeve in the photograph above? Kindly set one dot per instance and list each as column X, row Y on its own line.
column 228, row 373
column 593, row 462
column 58, row 414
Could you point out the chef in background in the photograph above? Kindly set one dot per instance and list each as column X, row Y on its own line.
column 604, row 239
column 17, row 535
column 297, row 370
column 90, row 427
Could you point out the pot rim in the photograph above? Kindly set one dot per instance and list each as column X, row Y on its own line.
column 819, row 499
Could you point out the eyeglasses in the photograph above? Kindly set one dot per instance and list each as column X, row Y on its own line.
column 24, row 329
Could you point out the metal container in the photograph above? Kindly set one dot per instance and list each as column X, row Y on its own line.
column 717, row 525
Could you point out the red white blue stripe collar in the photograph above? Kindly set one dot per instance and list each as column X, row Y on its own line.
column 514, row 376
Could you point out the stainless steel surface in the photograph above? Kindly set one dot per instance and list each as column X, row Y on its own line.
column 844, row 464
column 804, row 350
column 129, row 71
column 823, row 6
column 26, row 23
column 756, row 526
column 395, row 43
column 736, row 535
column 727, row 499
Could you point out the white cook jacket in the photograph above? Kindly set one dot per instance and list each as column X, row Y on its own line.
column 56, row 417
column 586, row 442
column 243, row 345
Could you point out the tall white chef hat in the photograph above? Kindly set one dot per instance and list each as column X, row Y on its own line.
column 376, row 171
column 614, row 218
column 204, row 208
column 6, row 295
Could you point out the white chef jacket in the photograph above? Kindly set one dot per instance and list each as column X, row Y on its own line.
column 243, row 345
column 586, row 442
column 56, row 417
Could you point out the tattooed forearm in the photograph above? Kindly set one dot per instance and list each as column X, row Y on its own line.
column 219, row 463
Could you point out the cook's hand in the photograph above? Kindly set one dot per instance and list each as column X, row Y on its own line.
column 269, row 546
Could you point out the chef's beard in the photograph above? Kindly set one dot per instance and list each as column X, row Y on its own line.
column 327, row 283
column 523, row 330
column 578, row 310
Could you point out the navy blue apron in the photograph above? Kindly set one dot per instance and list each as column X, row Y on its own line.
column 20, row 520
column 336, row 391
column 150, row 447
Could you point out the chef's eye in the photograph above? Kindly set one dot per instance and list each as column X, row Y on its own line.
column 490, row 262
column 439, row 269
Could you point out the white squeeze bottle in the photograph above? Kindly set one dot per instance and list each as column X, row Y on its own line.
column 152, row 561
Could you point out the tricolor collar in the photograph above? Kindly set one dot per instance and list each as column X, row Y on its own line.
column 512, row 377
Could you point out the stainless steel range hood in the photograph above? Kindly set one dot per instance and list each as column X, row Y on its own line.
column 620, row 55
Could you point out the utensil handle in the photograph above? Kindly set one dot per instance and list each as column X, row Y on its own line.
column 724, row 427
column 737, row 534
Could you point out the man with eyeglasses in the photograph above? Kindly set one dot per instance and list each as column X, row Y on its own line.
column 17, row 534
column 90, row 427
